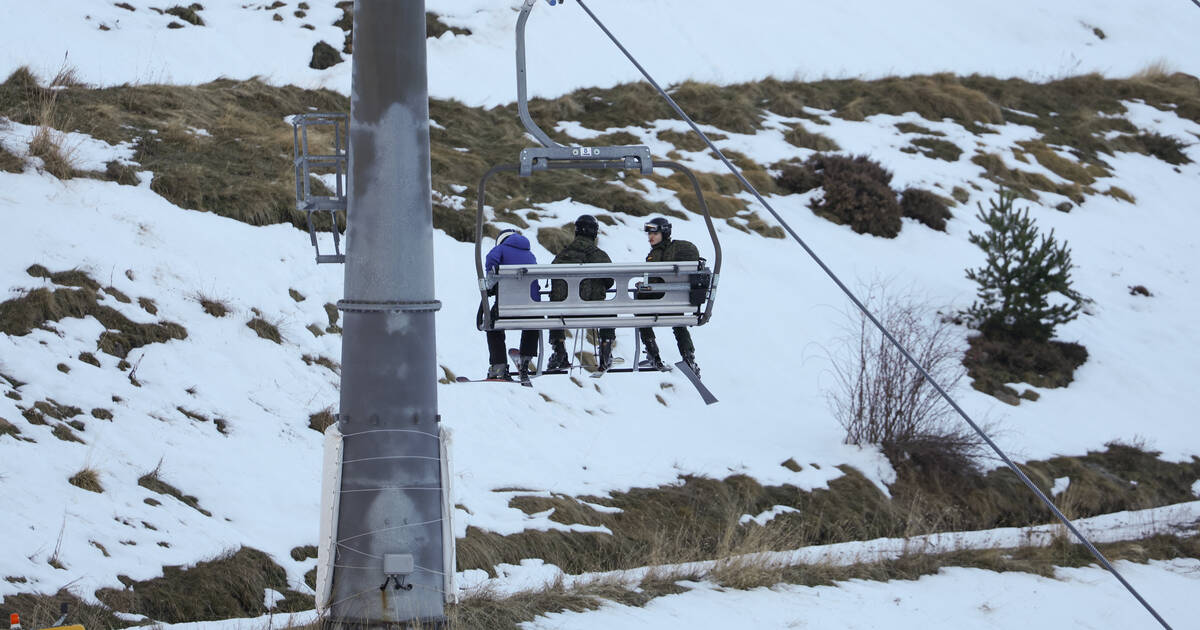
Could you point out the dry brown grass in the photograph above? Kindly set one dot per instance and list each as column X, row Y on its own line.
column 154, row 483
column 799, row 136
column 1025, row 183
column 35, row 309
column 9, row 162
column 265, row 329
column 698, row 518
column 321, row 420
column 88, row 479
column 226, row 587
column 242, row 170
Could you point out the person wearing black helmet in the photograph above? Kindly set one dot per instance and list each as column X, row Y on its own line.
column 512, row 248
column 581, row 250
column 665, row 249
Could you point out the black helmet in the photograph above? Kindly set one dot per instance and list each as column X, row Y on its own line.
column 660, row 225
column 586, row 226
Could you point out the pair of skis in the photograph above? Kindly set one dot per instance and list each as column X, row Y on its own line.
column 514, row 355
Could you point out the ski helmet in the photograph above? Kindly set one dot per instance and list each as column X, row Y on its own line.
column 505, row 234
column 660, row 225
column 586, row 226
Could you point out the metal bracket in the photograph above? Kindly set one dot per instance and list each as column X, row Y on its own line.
column 357, row 306
column 396, row 568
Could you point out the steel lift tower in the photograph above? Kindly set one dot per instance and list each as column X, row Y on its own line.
column 384, row 549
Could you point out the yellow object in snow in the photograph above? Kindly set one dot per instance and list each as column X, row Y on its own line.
column 70, row 627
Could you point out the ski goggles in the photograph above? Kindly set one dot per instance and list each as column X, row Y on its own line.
column 652, row 228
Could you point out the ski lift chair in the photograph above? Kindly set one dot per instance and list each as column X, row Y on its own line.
column 642, row 294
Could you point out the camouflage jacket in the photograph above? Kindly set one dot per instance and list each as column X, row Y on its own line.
column 581, row 250
column 672, row 250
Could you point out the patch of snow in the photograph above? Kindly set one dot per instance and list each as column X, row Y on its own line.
column 766, row 517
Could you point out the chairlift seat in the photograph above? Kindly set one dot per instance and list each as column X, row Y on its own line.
column 642, row 294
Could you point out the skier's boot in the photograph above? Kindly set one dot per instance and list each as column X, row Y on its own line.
column 498, row 372
column 653, row 359
column 558, row 358
column 605, row 360
column 525, row 368
column 689, row 357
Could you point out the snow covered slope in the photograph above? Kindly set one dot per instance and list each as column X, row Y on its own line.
column 763, row 354
column 705, row 40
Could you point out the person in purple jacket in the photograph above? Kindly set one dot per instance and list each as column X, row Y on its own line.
column 511, row 249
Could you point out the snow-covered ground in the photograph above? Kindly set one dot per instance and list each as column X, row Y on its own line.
column 705, row 40
column 763, row 354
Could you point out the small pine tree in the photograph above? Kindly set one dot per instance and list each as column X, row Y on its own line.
column 1020, row 275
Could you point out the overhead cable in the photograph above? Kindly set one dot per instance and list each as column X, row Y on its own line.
column 882, row 329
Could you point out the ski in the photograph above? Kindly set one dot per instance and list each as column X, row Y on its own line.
column 463, row 379
column 645, row 365
column 704, row 393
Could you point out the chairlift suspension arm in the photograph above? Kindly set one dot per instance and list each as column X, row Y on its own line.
column 522, row 91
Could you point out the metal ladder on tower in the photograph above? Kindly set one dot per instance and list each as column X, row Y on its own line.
column 326, row 170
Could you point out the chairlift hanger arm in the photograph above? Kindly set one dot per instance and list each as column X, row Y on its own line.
column 522, row 91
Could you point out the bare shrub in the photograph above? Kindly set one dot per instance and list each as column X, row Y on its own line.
column 879, row 397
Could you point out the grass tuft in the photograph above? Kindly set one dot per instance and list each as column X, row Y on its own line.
column 322, row 361
column 805, row 139
column 10, row 163
column 87, row 479
column 265, row 329
column 935, row 148
column 321, row 420
column 8, row 428
column 154, row 483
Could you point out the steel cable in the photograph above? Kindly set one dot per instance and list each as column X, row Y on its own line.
column 866, row 312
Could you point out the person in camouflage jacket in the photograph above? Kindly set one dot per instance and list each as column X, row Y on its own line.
column 581, row 250
column 665, row 249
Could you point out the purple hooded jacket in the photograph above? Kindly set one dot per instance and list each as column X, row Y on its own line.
column 513, row 250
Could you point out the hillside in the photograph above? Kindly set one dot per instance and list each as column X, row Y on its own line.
column 169, row 350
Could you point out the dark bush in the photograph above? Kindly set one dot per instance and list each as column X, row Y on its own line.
column 1166, row 148
column 925, row 207
column 797, row 179
column 187, row 14
column 842, row 166
column 324, row 56
column 856, row 194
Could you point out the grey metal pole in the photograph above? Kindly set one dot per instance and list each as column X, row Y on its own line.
column 391, row 512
